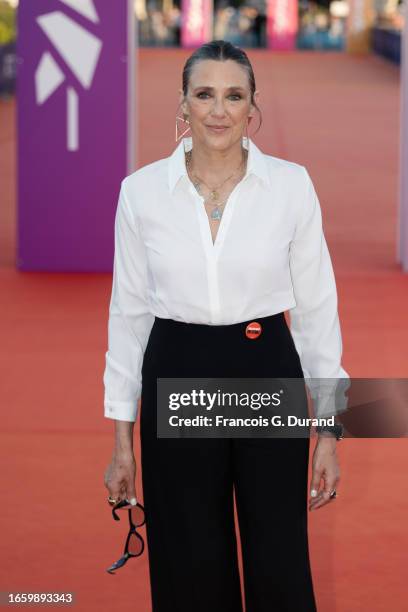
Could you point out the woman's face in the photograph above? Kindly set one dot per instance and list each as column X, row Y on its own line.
column 218, row 103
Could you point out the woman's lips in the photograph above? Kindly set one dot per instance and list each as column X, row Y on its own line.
column 217, row 129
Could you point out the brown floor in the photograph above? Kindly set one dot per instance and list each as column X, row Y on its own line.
column 339, row 116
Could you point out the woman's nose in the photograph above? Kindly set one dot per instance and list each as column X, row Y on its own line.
column 218, row 108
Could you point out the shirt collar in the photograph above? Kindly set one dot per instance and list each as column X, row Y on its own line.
column 256, row 163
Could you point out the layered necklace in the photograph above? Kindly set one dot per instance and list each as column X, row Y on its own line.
column 214, row 197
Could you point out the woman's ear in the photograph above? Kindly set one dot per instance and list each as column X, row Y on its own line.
column 255, row 101
column 181, row 97
column 182, row 103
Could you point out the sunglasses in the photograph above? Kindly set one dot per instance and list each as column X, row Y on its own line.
column 134, row 545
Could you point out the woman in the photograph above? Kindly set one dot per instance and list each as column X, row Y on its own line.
column 209, row 241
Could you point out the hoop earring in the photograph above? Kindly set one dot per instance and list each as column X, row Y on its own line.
column 178, row 136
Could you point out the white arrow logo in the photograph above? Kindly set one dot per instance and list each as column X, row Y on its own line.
column 79, row 49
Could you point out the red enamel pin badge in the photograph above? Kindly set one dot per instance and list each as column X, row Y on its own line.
column 253, row 330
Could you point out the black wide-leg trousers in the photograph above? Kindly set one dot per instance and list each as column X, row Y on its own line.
column 188, row 483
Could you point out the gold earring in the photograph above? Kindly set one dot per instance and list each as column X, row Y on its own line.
column 178, row 136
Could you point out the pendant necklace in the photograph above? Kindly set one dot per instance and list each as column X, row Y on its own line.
column 214, row 191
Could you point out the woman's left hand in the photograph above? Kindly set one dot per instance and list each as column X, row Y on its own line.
column 326, row 467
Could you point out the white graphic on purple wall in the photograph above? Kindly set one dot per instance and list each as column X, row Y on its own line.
column 80, row 51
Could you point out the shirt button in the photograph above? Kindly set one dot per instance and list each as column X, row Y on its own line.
column 253, row 330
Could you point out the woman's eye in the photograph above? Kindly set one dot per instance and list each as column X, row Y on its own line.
column 204, row 95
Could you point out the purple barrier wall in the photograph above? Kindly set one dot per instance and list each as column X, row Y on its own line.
column 75, row 129
column 402, row 253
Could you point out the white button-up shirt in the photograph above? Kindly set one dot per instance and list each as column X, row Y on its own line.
column 269, row 255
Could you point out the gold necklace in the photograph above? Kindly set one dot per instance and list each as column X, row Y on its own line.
column 214, row 194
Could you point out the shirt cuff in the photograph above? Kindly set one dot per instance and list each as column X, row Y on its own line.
column 120, row 411
column 329, row 399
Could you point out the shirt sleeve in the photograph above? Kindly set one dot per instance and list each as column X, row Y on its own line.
column 130, row 320
column 314, row 321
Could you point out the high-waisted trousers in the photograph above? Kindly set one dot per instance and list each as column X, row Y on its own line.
column 189, row 483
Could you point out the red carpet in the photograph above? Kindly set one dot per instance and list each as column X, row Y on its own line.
column 339, row 116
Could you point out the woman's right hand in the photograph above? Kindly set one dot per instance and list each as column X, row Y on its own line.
column 120, row 476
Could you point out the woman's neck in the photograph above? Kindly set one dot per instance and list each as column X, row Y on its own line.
column 214, row 165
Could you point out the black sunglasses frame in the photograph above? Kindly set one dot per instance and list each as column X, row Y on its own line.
column 132, row 533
